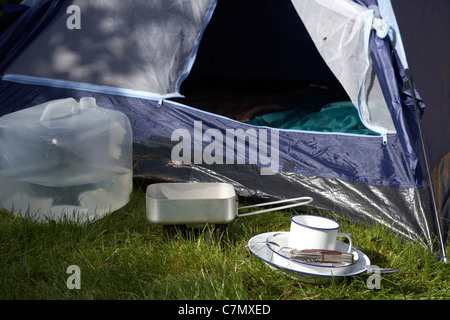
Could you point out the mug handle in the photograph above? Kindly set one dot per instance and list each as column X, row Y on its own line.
column 349, row 240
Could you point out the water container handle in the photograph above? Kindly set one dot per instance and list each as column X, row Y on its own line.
column 60, row 109
column 297, row 202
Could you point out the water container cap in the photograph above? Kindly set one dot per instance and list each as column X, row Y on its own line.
column 87, row 103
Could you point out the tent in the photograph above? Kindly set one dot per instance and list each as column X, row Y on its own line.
column 280, row 98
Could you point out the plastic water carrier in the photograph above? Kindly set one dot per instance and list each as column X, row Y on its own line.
column 65, row 160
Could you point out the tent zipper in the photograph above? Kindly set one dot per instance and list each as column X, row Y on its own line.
column 68, row 84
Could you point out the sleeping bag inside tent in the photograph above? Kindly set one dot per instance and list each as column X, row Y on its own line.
column 279, row 98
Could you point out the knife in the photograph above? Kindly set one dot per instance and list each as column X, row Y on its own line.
column 321, row 256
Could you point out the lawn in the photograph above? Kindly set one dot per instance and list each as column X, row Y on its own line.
column 125, row 257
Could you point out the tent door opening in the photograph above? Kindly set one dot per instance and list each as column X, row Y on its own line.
column 261, row 67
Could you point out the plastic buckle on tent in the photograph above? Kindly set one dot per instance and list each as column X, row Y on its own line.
column 385, row 142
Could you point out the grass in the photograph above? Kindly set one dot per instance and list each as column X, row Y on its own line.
column 123, row 256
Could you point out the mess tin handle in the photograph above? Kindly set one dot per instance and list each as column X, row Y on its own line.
column 303, row 201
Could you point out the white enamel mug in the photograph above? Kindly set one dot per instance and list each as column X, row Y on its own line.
column 314, row 232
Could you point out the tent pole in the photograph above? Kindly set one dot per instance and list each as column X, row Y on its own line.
column 430, row 182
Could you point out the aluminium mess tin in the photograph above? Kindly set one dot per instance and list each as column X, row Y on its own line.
column 197, row 203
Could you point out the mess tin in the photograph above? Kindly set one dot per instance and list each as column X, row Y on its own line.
column 197, row 203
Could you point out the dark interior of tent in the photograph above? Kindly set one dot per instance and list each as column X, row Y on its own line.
column 257, row 64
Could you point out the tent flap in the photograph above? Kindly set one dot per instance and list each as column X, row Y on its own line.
column 163, row 36
column 341, row 30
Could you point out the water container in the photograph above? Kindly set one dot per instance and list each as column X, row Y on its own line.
column 65, row 159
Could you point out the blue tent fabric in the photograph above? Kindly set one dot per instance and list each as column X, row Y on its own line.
column 10, row 14
column 331, row 155
column 425, row 37
column 361, row 176
column 316, row 152
column 24, row 28
column 392, row 77
column 424, row 32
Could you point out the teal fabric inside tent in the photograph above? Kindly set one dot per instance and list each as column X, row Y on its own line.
column 334, row 117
